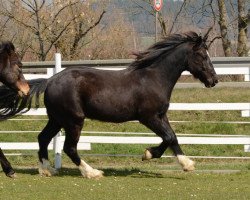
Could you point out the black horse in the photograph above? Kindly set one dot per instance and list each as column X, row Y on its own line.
column 140, row 92
column 10, row 75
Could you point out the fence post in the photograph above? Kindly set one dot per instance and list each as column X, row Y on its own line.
column 245, row 113
column 50, row 72
column 247, row 76
column 57, row 139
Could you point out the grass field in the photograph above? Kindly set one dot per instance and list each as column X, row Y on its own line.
column 129, row 177
column 128, row 183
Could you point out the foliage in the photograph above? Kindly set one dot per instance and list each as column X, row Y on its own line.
column 78, row 29
column 113, row 29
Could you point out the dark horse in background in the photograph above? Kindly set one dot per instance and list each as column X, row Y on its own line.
column 140, row 92
column 10, row 75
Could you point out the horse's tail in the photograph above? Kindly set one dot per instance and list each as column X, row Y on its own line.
column 11, row 103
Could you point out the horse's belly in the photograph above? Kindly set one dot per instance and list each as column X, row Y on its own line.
column 110, row 112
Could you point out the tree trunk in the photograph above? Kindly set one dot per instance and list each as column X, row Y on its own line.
column 242, row 49
column 162, row 25
column 226, row 43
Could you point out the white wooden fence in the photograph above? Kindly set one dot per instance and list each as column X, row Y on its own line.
column 223, row 66
column 239, row 67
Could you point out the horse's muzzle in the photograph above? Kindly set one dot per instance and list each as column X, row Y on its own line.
column 211, row 82
column 23, row 88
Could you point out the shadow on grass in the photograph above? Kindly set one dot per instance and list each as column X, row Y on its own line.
column 108, row 172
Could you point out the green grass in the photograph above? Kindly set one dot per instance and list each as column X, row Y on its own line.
column 127, row 183
column 211, row 95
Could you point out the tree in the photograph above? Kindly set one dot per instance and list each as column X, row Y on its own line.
column 76, row 36
column 223, row 23
column 46, row 22
column 117, row 40
column 228, row 18
column 242, row 49
column 166, row 26
column 233, row 27
column 114, row 37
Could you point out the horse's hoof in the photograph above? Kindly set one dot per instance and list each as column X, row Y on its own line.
column 186, row 163
column 11, row 175
column 44, row 172
column 94, row 174
column 189, row 167
column 88, row 172
column 147, row 155
column 47, row 172
column 45, row 169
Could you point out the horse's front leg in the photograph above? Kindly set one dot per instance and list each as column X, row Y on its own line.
column 8, row 170
column 186, row 163
column 162, row 128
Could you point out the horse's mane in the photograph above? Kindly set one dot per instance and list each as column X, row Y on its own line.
column 6, row 46
column 146, row 58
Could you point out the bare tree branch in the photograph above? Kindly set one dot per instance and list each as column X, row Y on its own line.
column 177, row 15
column 3, row 27
column 82, row 33
column 212, row 41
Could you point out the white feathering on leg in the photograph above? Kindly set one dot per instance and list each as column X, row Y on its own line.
column 45, row 169
column 88, row 172
column 186, row 163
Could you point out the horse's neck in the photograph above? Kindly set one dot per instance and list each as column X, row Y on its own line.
column 171, row 69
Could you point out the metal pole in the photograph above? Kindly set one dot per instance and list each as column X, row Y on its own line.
column 57, row 139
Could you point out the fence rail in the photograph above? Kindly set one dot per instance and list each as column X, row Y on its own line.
column 223, row 66
column 86, row 141
column 243, row 107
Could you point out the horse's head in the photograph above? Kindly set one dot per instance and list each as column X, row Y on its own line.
column 10, row 69
column 199, row 63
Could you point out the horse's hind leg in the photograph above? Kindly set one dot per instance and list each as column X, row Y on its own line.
column 8, row 170
column 70, row 148
column 44, row 138
column 162, row 128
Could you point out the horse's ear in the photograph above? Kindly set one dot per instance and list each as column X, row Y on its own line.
column 198, row 43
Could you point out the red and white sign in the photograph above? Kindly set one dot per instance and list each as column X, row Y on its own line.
column 158, row 5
